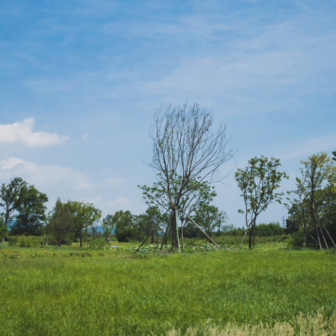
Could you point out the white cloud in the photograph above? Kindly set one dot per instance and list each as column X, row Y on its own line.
column 84, row 136
column 21, row 133
column 43, row 176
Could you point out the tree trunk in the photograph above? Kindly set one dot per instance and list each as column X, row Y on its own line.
column 182, row 238
column 250, row 237
column 315, row 223
column 164, row 242
column 173, row 231
column 304, row 243
column 312, row 208
column 80, row 240
column 47, row 239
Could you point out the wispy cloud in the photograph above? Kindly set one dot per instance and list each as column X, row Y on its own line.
column 44, row 176
column 310, row 146
column 22, row 133
column 121, row 203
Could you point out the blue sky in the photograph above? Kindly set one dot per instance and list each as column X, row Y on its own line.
column 81, row 80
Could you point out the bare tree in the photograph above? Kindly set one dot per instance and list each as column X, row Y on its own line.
column 185, row 145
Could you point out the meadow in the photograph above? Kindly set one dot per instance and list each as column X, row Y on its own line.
column 73, row 291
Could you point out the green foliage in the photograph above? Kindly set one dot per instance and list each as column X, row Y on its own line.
column 312, row 204
column 270, row 229
column 31, row 211
column 97, row 244
column 258, row 183
column 12, row 240
column 84, row 215
column 27, row 241
column 119, row 295
column 123, row 221
column 9, row 195
column 61, row 221
column 209, row 218
column 108, row 226
column 261, row 230
column 3, row 227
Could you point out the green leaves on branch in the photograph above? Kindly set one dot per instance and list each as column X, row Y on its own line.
column 258, row 183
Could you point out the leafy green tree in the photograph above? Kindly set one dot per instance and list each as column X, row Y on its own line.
column 210, row 218
column 108, row 226
column 123, row 221
column 315, row 174
column 84, row 215
column 154, row 218
column 186, row 147
column 139, row 227
column 31, row 211
column 258, row 183
column 299, row 210
column 9, row 195
column 61, row 221
column 3, row 227
column 334, row 153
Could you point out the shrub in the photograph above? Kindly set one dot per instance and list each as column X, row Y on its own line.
column 12, row 240
column 124, row 234
column 28, row 241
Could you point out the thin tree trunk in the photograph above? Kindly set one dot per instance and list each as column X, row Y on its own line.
column 164, row 238
column 173, row 230
column 316, row 228
column 47, row 238
column 304, row 238
column 80, row 240
column 182, row 238
column 250, row 238
column 152, row 238
column 312, row 211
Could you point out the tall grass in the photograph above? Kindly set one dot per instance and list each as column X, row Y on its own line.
column 236, row 240
column 315, row 325
column 109, row 293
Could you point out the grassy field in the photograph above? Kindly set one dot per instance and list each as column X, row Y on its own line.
column 73, row 291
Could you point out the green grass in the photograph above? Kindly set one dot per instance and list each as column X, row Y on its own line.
column 72, row 291
column 235, row 240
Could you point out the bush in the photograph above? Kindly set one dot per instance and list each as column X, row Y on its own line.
column 12, row 240
column 125, row 234
column 28, row 241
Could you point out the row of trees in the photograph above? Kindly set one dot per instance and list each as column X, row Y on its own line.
column 25, row 213
column 188, row 153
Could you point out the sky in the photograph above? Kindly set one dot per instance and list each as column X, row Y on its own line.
column 80, row 82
